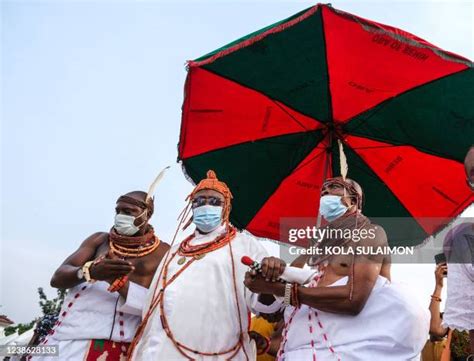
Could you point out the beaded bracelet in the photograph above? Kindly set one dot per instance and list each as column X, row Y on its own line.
column 435, row 298
column 287, row 297
column 118, row 284
column 294, row 295
column 266, row 348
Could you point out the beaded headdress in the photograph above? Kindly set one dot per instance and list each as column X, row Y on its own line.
column 212, row 183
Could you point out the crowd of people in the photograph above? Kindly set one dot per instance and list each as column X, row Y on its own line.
column 134, row 296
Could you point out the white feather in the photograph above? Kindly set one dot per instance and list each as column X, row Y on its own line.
column 157, row 180
column 342, row 161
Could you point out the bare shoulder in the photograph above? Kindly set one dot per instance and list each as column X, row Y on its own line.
column 95, row 240
column 87, row 249
column 160, row 251
column 376, row 236
column 164, row 247
column 380, row 235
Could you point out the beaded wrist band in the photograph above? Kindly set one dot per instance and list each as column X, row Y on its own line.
column 287, row 297
column 294, row 295
column 435, row 298
column 118, row 284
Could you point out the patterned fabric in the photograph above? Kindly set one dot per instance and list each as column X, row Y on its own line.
column 460, row 344
column 106, row 350
column 459, row 313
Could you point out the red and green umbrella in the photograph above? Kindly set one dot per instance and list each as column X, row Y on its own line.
column 267, row 110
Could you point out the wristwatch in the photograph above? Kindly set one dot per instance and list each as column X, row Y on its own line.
column 86, row 271
column 80, row 273
column 287, row 297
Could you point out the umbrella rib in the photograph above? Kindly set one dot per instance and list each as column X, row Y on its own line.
column 278, row 102
column 294, row 156
column 302, row 165
column 387, row 101
column 417, row 147
column 269, row 140
column 373, row 27
column 381, row 106
column 289, row 114
column 330, row 105
column 374, row 175
column 377, row 146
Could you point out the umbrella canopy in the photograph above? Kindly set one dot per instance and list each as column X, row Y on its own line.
column 267, row 110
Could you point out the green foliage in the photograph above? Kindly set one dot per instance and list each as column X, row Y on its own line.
column 51, row 307
column 21, row 328
column 10, row 330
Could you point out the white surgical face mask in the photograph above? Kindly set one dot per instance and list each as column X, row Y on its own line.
column 125, row 224
column 331, row 207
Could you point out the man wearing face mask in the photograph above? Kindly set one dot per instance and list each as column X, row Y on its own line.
column 349, row 310
column 197, row 307
column 107, row 277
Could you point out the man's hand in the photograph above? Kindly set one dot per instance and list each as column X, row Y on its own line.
column 261, row 342
column 440, row 272
column 257, row 284
column 272, row 268
column 110, row 269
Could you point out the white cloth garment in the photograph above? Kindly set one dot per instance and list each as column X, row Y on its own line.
column 459, row 310
column 391, row 327
column 91, row 312
column 200, row 304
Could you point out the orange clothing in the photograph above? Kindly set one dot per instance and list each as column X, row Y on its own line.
column 264, row 328
column 433, row 350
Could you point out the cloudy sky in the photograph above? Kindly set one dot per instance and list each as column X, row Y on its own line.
column 91, row 98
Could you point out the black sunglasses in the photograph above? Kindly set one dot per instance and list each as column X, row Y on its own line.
column 201, row 201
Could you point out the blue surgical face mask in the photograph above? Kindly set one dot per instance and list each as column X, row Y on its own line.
column 207, row 218
column 331, row 207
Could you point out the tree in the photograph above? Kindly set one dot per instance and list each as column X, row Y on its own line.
column 20, row 328
column 50, row 309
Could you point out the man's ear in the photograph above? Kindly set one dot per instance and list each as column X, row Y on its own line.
column 149, row 214
column 350, row 201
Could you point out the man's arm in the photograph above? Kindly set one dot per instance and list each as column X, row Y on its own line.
column 436, row 327
column 352, row 297
column 339, row 299
column 347, row 299
column 66, row 275
column 335, row 299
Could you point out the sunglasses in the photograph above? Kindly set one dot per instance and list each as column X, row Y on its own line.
column 201, row 201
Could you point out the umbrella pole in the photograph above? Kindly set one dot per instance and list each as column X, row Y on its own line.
column 325, row 174
column 310, row 260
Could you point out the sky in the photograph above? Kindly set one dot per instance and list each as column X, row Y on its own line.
column 91, row 95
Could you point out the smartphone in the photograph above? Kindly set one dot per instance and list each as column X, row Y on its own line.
column 440, row 258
